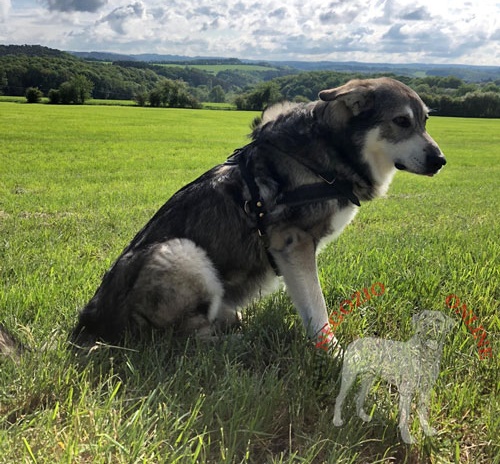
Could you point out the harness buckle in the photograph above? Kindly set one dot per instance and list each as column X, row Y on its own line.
column 329, row 182
column 258, row 209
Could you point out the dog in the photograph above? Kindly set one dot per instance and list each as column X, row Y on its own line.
column 223, row 239
column 412, row 366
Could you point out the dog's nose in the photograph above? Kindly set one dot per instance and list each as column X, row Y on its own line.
column 437, row 162
column 435, row 159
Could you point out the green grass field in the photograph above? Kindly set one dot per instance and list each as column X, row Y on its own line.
column 76, row 183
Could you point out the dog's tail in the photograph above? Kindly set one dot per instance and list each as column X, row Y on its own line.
column 10, row 346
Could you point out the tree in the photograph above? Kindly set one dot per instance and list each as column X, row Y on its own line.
column 141, row 98
column 76, row 90
column 482, row 105
column 173, row 94
column 217, row 95
column 82, row 89
column 3, row 81
column 66, row 93
column 264, row 95
column 54, row 96
column 155, row 98
column 33, row 95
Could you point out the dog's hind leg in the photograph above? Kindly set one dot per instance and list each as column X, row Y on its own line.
column 366, row 384
column 178, row 285
column 295, row 254
column 348, row 377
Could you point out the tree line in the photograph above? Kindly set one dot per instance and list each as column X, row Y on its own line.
column 38, row 72
column 445, row 96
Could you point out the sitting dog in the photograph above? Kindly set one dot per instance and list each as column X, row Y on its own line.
column 412, row 366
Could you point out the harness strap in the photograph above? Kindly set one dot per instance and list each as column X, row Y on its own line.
column 329, row 189
column 318, row 192
column 255, row 205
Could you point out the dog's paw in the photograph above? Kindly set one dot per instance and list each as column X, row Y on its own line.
column 407, row 438
column 365, row 417
column 338, row 422
column 430, row 431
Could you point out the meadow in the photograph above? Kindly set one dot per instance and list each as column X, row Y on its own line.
column 76, row 184
column 217, row 68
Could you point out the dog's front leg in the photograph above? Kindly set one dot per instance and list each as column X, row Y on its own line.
column 363, row 393
column 423, row 412
column 405, row 393
column 295, row 254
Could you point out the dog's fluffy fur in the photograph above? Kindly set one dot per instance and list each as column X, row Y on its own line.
column 412, row 366
column 200, row 257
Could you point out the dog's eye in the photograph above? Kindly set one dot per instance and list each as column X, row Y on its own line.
column 402, row 121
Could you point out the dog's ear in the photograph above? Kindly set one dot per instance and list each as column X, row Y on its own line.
column 357, row 96
column 414, row 320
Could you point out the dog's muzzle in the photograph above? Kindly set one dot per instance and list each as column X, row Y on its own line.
column 434, row 161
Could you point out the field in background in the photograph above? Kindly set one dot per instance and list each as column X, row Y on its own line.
column 76, row 183
column 217, row 68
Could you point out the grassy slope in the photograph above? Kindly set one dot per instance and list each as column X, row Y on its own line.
column 76, row 183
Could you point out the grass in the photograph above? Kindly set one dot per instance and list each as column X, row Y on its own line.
column 76, row 183
column 101, row 102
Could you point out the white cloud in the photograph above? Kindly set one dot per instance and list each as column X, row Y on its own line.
column 4, row 9
column 125, row 19
column 363, row 30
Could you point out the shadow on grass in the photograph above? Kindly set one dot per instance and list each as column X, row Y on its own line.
column 261, row 394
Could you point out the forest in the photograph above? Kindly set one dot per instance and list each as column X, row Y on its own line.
column 35, row 72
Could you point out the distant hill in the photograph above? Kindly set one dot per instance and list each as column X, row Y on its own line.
column 31, row 50
column 148, row 57
column 103, row 56
column 468, row 73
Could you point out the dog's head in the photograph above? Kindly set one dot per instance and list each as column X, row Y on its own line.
column 432, row 326
column 390, row 118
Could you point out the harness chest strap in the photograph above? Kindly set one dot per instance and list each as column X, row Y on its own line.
column 321, row 191
column 305, row 194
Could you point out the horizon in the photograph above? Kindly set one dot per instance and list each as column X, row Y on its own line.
column 207, row 57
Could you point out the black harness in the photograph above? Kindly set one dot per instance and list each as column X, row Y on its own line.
column 328, row 189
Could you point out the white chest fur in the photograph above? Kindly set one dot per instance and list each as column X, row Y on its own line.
column 338, row 223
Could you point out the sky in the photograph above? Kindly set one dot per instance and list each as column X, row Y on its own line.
column 383, row 31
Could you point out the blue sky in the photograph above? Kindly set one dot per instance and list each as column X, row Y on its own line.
column 396, row 31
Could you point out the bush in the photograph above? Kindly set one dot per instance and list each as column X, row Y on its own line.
column 217, row 95
column 75, row 91
column 54, row 96
column 173, row 94
column 141, row 98
column 482, row 105
column 33, row 95
column 263, row 95
column 155, row 98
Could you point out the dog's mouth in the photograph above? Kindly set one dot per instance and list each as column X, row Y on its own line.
column 431, row 172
